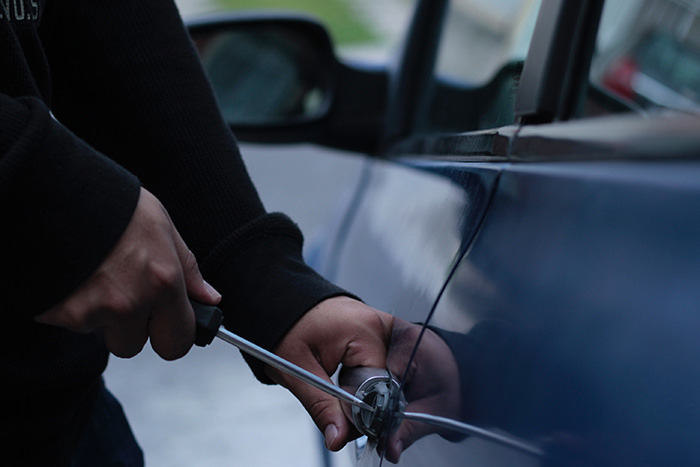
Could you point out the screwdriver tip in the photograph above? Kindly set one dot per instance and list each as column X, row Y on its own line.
column 366, row 406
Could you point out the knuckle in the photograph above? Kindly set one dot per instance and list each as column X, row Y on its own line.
column 190, row 267
column 165, row 277
column 114, row 305
column 318, row 407
column 189, row 262
column 119, row 304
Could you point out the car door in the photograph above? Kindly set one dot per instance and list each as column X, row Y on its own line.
column 423, row 202
column 570, row 303
column 535, row 233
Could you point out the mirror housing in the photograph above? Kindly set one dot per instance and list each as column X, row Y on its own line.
column 267, row 71
column 277, row 80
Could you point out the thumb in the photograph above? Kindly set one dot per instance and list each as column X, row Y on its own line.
column 408, row 432
column 197, row 287
column 324, row 409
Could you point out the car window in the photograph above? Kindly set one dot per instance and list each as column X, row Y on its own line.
column 647, row 56
column 366, row 29
column 480, row 57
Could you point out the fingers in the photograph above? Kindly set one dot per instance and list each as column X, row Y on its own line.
column 408, row 433
column 197, row 287
column 99, row 306
column 431, row 383
column 172, row 324
column 140, row 290
column 324, row 409
column 338, row 331
column 127, row 338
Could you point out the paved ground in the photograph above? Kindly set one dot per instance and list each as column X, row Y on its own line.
column 207, row 410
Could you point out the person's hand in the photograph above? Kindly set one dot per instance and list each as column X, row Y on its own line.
column 140, row 290
column 432, row 383
column 338, row 330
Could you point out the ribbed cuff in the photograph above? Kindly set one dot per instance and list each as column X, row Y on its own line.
column 265, row 284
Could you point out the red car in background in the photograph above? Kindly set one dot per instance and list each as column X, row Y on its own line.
column 658, row 71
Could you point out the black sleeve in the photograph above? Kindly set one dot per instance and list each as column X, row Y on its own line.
column 136, row 92
column 64, row 207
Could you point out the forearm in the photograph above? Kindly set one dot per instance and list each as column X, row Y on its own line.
column 137, row 93
column 141, row 97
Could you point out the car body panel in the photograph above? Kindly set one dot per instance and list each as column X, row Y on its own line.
column 597, row 266
column 375, row 262
column 593, row 244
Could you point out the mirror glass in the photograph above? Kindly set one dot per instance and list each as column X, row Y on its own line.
column 266, row 74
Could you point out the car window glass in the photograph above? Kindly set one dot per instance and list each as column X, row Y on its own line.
column 480, row 56
column 647, row 57
column 366, row 29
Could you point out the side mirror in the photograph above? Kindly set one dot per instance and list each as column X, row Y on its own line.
column 267, row 72
column 277, row 80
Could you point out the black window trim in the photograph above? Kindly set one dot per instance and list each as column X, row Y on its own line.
column 552, row 87
column 555, row 75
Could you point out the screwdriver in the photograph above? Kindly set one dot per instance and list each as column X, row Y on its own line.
column 209, row 320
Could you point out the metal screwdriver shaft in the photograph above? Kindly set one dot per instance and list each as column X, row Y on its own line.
column 209, row 320
column 467, row 429
column 290, row 368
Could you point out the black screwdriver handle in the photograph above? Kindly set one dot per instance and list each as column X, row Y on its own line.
column 208, row 319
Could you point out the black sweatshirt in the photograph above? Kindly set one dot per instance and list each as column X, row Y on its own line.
column 134, row 107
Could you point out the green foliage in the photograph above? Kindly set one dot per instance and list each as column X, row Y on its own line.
column 336, row 15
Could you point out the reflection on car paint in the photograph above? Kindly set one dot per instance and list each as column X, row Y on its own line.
column 541, row 330
column 562, row 356
column 419, row 200
column 454, row 201
column 410, row 257
column 431, row 385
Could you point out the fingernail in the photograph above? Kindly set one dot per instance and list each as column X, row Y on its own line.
column 216, row 295
column 330, row 434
